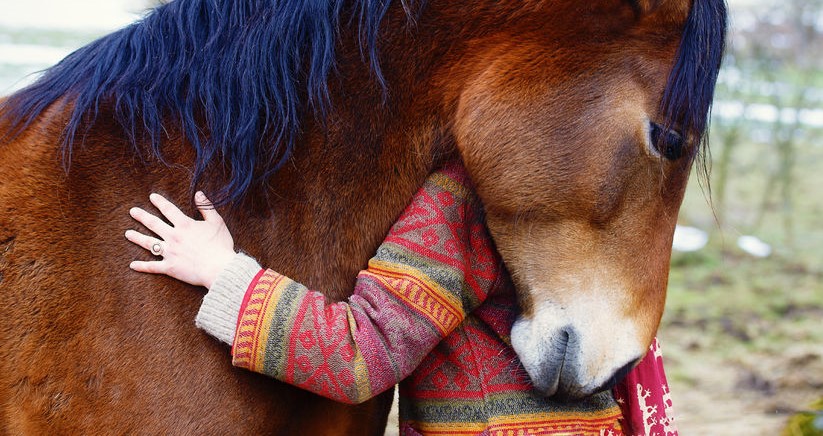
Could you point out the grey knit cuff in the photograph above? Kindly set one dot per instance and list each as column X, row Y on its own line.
column 221, row 305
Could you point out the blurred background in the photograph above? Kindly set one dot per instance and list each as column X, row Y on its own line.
column 743, row 328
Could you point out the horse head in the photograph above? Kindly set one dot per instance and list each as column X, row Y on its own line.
column 580, row 142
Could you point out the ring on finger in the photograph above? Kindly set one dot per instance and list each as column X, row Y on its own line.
column 156, row 249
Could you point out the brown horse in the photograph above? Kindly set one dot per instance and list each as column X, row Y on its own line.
column 314, row 122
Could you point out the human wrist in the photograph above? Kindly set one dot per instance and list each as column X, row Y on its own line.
column 220, row 263
column 221, row 305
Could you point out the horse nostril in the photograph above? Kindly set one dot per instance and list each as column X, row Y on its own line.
column 561, row 345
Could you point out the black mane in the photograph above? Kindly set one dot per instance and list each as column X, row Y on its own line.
column 245, row 70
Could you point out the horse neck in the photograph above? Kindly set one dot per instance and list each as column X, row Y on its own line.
column 330, row 208
column 348, row 180
column 356, row 169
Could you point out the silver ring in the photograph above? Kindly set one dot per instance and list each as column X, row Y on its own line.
column 157, row 249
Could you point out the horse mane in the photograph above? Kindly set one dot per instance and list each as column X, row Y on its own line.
column 236, row 77
column 687, row 99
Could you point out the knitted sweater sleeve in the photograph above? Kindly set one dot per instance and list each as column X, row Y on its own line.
column 436, row 265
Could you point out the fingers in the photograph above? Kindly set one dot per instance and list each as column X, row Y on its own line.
column 206, row 208
column 141, row 240
column 168, row 209
column 151, row 222
column 154, row 267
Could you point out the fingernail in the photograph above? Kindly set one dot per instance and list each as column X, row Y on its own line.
column 200, row 195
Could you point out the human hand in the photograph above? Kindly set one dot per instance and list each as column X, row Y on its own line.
column 192, row 251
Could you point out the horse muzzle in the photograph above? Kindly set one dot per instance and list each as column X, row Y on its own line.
column 571, row 360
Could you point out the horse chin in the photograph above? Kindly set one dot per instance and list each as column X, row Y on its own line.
column 570, row 359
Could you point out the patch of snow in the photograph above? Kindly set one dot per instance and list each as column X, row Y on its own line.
column 689, row 239
column 754, row 246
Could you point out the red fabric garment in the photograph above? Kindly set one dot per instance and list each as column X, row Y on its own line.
column 645, row 398
column 432, row 312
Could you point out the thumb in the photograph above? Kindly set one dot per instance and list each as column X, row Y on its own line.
column 206, row 208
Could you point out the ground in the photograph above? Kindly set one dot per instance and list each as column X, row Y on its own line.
column 743, row 343
column 752, row 395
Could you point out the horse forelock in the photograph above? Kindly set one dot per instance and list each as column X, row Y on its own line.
column 689, row 92
column 235, row 77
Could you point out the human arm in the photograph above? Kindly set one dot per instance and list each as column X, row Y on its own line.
column 436, row 265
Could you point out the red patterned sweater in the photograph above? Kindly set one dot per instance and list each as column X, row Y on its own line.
column 433, row 312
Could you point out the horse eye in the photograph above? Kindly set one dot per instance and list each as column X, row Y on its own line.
column 668, row 142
